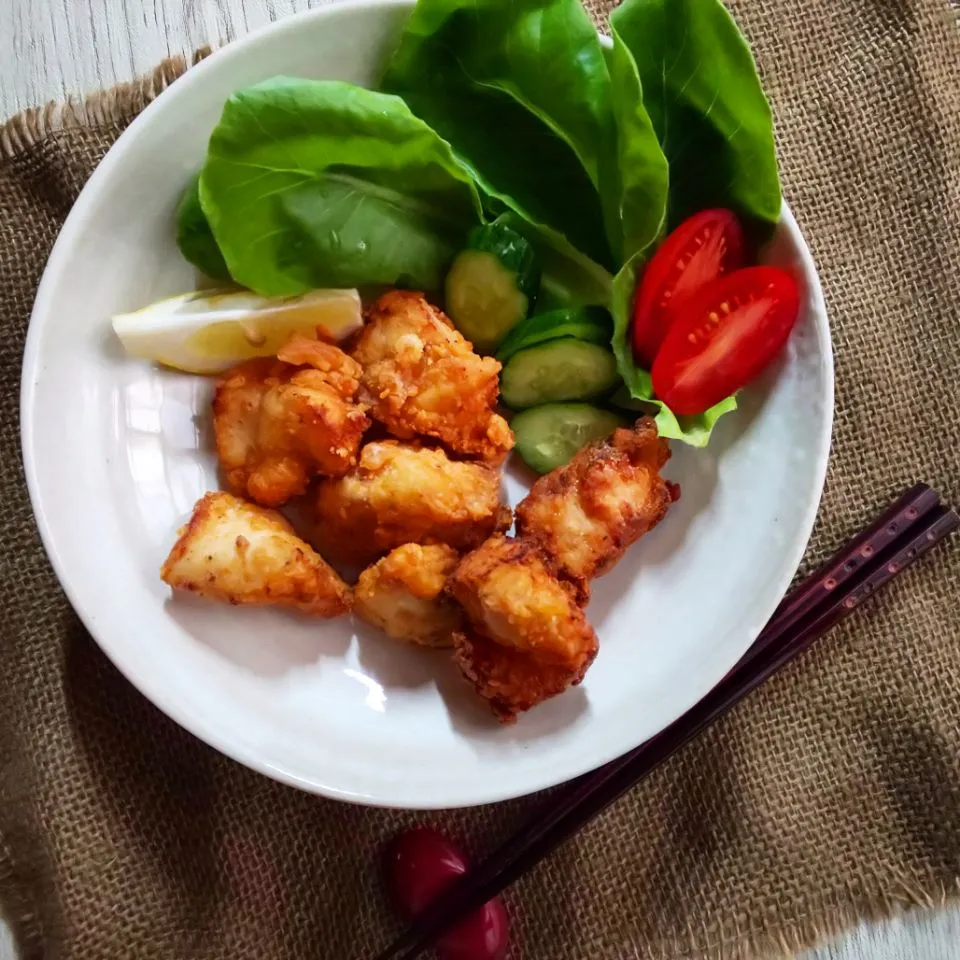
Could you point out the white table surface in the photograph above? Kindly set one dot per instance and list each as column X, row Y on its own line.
column 52, row 48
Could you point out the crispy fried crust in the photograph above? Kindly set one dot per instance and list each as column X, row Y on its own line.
column 528, row 638
column 240, row 553
column 400, row 493
column 513, row 681
column 403, row 594
column 583, row 516
column 509, row 592
column 422, row 378
column 280, row 422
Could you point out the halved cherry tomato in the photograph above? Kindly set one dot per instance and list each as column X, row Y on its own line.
column 724, row 338
column 706, row 246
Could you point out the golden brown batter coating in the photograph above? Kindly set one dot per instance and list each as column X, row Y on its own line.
column 422, row 378
column 239, row 553
column 528, row 638
column 404, row 595
column 400, row 493
column 584, row 515
column 278, row 423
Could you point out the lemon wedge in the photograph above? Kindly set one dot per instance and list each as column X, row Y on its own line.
column 210, row 331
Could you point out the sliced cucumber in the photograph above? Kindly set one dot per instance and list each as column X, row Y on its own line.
column 592, row 324
column 548, row 436
column 492, row 284
column 559, row 370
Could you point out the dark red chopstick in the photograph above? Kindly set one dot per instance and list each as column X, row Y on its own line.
column 847, row 563
column 903, row 533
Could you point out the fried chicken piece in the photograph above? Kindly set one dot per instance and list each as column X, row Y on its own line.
column 584, row 515
column 280, row 422
column 236, row 552
column 403, row 594
column 511, row 681
column 399, row 493
column 509, row 592
column 421, row 377
column 528, row 639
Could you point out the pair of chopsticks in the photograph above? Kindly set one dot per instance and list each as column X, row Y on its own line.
column 912, row 525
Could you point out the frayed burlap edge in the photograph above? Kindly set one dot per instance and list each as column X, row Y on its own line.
column 121, row 102
column 820, row 926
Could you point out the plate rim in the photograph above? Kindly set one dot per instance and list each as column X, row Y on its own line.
column 195, row 724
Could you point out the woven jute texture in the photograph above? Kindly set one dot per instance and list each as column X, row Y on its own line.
column 832, row 794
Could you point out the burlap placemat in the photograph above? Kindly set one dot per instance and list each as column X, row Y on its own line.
column 833, row 794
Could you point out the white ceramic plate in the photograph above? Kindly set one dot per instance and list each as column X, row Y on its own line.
column 116, row 453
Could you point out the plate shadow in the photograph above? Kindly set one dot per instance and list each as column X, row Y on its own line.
column 248, row 637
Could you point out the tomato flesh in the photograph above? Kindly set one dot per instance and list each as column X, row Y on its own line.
column 418, row 864
column 725, row 337
column 705, row 246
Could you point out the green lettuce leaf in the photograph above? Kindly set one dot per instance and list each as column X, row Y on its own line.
column 568, row 277
column 311, row 184
column 704, row 98
column 643, row 176
column 636, row 381
column 195, row 238
column 521, row 91
column 643, row 188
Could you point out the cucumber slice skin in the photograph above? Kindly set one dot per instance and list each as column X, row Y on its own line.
column 548, row 436
column 591, row 324
column 512, row 250
column 557, row 371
